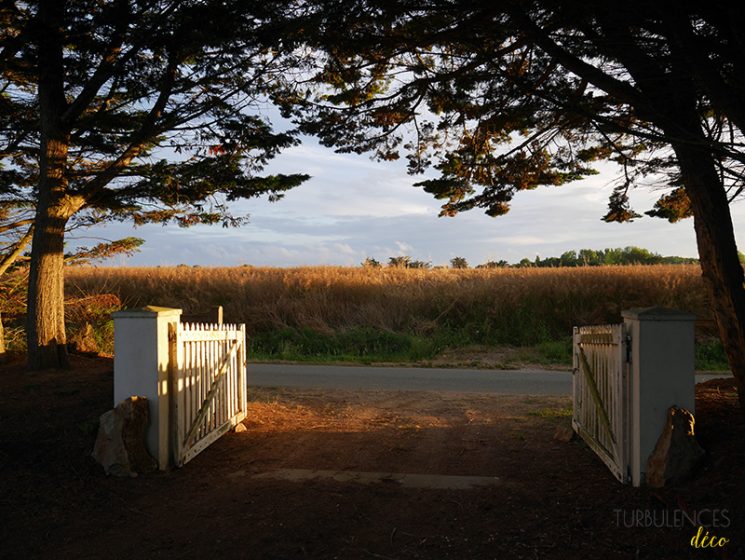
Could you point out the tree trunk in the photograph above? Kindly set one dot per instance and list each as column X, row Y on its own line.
column 45, row 327
column 717, row 249
column 678, row 112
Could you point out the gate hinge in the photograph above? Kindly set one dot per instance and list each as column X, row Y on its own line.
column 628, row 348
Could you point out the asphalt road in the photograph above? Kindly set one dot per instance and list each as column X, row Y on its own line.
column 507, row 382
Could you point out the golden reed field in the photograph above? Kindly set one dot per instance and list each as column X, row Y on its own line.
column 510, row 306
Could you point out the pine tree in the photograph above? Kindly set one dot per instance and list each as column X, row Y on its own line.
column 130, row 110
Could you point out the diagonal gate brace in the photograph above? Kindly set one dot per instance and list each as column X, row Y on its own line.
column 211, row 394
column 590, row 378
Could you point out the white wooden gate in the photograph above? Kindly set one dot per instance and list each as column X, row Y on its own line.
column 601, row 394
column 208, row 384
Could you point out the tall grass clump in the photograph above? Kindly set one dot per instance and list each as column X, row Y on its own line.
column 374, row 311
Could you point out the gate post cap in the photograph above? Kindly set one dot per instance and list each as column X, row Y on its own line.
column 147, row 311
column 657, row 314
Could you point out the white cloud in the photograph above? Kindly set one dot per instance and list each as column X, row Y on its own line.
column 354, row 208
column 403, row 248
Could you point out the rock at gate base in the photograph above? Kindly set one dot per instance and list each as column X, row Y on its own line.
column 677, row 453
column 239, row 428
column 564, row 434
column 120, row 445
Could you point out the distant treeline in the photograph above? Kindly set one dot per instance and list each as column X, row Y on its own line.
column 593, row 257
column 583, row 257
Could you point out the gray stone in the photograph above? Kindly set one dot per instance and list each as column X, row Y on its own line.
column 677, row 453
column 239, row 428
column 120, row 445
column 109, row 449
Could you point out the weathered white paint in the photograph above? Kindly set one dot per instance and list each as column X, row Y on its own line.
column 141, row 368
column 662, row 375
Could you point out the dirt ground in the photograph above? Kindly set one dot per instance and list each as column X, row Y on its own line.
column 553, row 499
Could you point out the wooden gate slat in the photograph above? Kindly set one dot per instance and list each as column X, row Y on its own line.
column 600, row 393
column 209, row 399
column 207, row 377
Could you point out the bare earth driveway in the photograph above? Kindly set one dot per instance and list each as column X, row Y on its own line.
column 320, row 474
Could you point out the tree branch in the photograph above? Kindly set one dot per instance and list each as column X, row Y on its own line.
column 139, row 138
column 105, row 69
column 11, row 257
column 613, row 86
column 15, row 225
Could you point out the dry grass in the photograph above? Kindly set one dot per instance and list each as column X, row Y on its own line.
column 513, row 306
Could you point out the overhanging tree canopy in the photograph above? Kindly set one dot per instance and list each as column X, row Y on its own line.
column 501, row 97
column 130, row 109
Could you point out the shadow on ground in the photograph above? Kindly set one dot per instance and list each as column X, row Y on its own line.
column 553, row 499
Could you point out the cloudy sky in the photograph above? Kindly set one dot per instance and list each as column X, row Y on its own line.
column 353, row 208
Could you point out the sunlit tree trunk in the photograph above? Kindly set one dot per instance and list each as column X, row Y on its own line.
column 46, row 313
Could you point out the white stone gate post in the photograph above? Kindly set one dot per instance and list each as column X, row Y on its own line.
column 661, row 376
column 141, row 368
